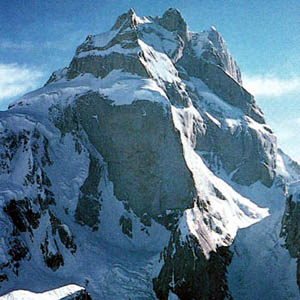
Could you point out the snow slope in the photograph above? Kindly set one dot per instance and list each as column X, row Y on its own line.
column 58, row 293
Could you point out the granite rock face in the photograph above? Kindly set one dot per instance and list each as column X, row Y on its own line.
column 185, row 277
column 243, row 151
column 290, row 230
column 119, row 136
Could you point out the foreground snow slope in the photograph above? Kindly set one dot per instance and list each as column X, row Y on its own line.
column 66, row 292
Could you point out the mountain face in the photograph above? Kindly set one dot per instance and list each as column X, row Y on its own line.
column 131, row 171
column 290, row 229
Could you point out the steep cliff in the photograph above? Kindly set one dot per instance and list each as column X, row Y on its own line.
column 290, row 230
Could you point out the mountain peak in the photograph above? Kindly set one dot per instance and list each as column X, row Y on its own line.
column 173, row 20
column 174, row 12
column 213, row 28
column 131, row 12
column 125, row 20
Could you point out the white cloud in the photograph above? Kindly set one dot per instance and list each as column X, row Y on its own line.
column 287, row 132
column 24, row 45
column 30, row 45
column 16, row 80
column 271, row 85
column 62, row 44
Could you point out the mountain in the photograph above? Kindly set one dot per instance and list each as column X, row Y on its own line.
column 132, row 170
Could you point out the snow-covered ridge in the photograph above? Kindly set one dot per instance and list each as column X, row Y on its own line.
column 156, row 48
column 130, row 31
column 57, row 294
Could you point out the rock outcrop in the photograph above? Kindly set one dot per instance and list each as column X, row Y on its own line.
column 290, row 229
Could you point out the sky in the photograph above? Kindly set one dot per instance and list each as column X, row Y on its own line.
column 38, row 37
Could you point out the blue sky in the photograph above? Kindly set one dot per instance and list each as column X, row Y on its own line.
column 38, row 37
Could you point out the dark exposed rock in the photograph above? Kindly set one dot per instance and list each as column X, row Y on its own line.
column 177, row 95
column 45, row 180
column 46, row 160
column 18, row 250
column 66, row 238
column 125, row 20
column 290, row 229
column 13, row 210
column 101, row 66
column 172, row 20
column 64, row 119
column 88, row 207
column 155, row 158
column 46, row 200
column 242, row 150
column 81, row 295
column 222, row 85
column 189, row 274
column 3, row 277
column 217, row 53
column 119, row 137
column 10, row 143
column 52, row 260
column 22, row 215
column 291, row 226
column 126, row 225
column 146, row 220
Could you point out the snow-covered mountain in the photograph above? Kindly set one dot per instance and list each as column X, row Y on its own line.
column 132, row 170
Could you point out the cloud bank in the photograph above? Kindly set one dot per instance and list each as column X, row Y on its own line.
column 271, row 85
column 16, row 80
column 24, row 45
column 287, row 132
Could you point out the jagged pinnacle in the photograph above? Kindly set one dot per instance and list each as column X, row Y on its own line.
column 125, row 19
column 131, row 12
column 172, row 20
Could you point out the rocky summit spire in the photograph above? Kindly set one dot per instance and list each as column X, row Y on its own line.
column 215, row 37
column 173, row 20
column 126, row 20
